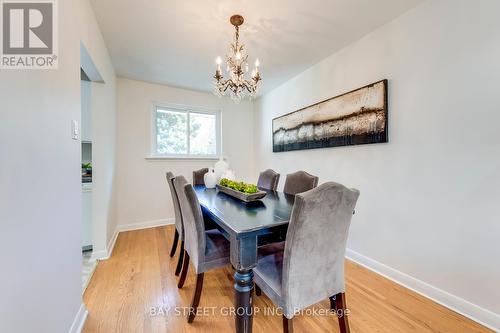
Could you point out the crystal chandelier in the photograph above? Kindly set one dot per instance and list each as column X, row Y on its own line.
column 237, row 66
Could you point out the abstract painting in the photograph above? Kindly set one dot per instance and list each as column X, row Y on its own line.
column 354, row 118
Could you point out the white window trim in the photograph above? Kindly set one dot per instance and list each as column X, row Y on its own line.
column 184, row 108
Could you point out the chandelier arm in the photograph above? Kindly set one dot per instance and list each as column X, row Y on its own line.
column 251, row 82
column 247, row 86
column 227, row 84
column 222, row 85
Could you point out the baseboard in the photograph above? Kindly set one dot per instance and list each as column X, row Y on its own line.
column 105, row 254
column 99, row 255
column 89, row 278
column 79, row 321
column 455, row 303
column 145, row 224
column 111, row 245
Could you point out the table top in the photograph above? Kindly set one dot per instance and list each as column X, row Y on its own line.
column 238, row 217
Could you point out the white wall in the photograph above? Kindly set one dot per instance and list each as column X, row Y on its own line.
column 40, row 183
column 429, row 197
column 40, row 191
column 143, row 194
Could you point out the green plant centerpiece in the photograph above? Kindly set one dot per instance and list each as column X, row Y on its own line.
column 239, row 186
column 240, row 190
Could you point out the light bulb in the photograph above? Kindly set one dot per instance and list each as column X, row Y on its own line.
column 238, row 55
column 218, row 61
column 257, row 63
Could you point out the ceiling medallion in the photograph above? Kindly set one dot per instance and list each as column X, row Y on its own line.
column 237, row 66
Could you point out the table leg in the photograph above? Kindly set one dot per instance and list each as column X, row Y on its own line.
column 243, row 300
column 243, row 259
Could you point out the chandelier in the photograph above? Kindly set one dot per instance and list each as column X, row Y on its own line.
column 237, row 66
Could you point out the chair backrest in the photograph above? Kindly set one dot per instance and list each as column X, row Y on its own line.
column 177, row 208
column 299, row 182
column 313, row 260
column 194, row 228
column 268, row 180
column 198, row 176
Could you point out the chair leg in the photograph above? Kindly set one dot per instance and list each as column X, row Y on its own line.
column 185, row 267
column 179, row 261
column 333, row 305
column 258, row 291
column 341, row 307
column 196, row 297
column 174, row 244
column 287, row 325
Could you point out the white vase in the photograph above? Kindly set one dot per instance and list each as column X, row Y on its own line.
column 220, row 167
column 210, row 178
column 229, row 174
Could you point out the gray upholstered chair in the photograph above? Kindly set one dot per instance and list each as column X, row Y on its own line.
column 299, row 182
column 307, row 272
column 207, row 249
column 179, row 230
column 199, row 176
column 268, row 180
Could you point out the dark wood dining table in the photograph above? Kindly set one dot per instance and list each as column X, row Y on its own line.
column 246, row 226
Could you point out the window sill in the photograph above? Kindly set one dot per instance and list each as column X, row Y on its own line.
column 181, row 158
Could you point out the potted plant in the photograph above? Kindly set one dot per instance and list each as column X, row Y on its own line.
column 87, row 168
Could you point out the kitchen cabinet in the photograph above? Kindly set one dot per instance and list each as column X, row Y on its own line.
column 87, row 216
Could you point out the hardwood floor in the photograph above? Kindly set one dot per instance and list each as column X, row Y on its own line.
column 136, row 291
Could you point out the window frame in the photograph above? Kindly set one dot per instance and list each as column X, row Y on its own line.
column 155, row 155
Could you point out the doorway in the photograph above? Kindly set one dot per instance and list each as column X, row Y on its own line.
column 89, row 78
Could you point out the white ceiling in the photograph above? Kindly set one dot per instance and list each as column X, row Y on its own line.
column 175, row 42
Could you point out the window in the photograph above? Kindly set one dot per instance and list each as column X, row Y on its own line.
column 185, row 132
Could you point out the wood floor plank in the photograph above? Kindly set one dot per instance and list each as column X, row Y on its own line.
column 136, row 291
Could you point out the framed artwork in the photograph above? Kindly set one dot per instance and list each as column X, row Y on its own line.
column 354, row 118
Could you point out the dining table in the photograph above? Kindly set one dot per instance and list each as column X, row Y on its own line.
column 246, row 225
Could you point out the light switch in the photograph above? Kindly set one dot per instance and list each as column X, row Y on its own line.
column 75, row 129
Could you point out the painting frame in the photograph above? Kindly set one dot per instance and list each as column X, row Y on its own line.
column 380, row 133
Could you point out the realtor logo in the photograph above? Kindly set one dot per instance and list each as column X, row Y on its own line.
column 29, row 34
